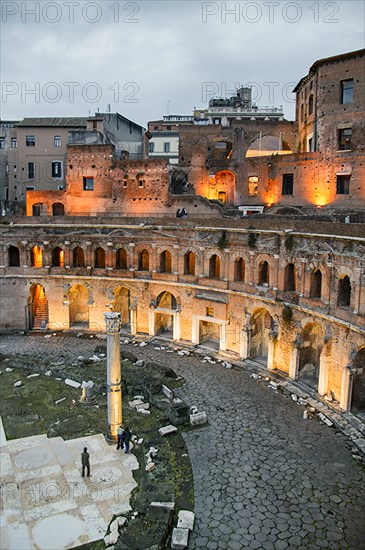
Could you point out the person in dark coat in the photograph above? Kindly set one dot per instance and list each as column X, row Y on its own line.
column 85, row 461
column 126, row 438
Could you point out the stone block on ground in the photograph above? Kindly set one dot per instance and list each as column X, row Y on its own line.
column 186, row 519
column 324, row 419
column 180, row 538
column 136, row 403
column 112, row 538
column 167, row 391
column 72, row 383
column 167, row 430
column 198, row 419
column 142, row 406
column 169, row 505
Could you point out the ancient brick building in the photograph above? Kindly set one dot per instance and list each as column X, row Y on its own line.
column 292, row 299
column 318, row 159
column 284, row 291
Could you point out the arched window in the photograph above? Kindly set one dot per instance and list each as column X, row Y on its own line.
column 143, row 261
column 58, row 209
column 189, row 263
column 36, row 256
column 289, row 277
column 165, row 262
column 302, row 112
column 13, row 256
column 344, row 291
column 37, row 208
column 99, row 258
column 316, row 284
column 264, row 273
column 214, row 267
column 239, row 269
column 78, row 257
column 166, row 300
column 121, row 260
column 58, row 257
column 310, row 104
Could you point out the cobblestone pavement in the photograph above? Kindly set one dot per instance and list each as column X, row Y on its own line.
column 264, row 477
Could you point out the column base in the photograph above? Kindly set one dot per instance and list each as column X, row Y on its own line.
column 110, row 438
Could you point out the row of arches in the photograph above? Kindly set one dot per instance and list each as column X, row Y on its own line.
column 165, row 266
column 58, row 209
column 259, row 331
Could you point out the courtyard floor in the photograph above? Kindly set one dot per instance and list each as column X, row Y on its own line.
column 264, row 477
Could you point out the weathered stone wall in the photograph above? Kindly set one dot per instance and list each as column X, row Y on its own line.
column 240, row 313
column 328, row 115
column 314, row 180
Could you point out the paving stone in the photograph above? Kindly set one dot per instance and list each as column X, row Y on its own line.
column 269, row 463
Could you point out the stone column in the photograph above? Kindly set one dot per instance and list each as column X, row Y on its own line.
column 114, row 376
column 346, row 389
column 294, row 360
column 195, row 330
column 223, row 339
column 324, row 363
column 175, row 261
column 271, row 352
column 151, row 321
column 67, row 255
column 245, row 342
column 176, row 327
column 252, row 268
column 109, row 257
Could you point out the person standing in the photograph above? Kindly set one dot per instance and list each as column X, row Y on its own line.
column 85, row 462
column 126, row 438
column 120, row 433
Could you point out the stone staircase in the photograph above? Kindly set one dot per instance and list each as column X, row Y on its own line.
column 41, row 314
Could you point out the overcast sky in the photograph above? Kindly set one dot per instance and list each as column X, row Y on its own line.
column 150, row 58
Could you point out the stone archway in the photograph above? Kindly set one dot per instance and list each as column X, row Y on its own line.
column 312, row 342
column 260, row 327
column 122, row 305
column 358, row 384
column 165, row 317
column 37, row 308
column 79, row 307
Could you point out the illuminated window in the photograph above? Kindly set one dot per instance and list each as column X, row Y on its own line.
column 343, row 185
column 88, row 184
column 347, row 91
column 36, row 256
column 189, row 263
column 253, row 186
column 210, row 312
column 288, row 184
column 30, row 141
column 344, row 139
